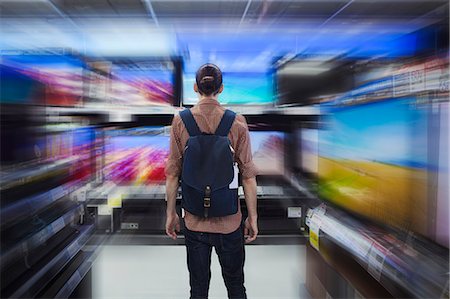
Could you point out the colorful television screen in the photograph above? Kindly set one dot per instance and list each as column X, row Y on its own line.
column 72, row 143
column 268, row 152
column 136, row 156
column 62, row 76
column 373, row 161
column 18, row 88
column 239, row 89
column 143, row 83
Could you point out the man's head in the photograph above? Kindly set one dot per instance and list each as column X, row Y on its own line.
column 208, row 80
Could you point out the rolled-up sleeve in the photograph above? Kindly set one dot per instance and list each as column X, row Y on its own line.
column 173, row 165
column 244, row 152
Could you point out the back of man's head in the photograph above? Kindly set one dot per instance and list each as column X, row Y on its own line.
column 209, row 79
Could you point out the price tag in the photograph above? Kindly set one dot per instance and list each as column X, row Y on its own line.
column 401, row 84
column 417, row 82
column 294, row 212
column 314, row 229
column 320, row 210
column 309, row 214
column 115, row 200
column 104, row 210
column 80, row 194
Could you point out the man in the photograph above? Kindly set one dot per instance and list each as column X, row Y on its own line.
column 226, row 234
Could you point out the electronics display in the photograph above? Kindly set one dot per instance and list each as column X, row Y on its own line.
column 136, row 156
column 373, row 161
column 18, row 88
column 268, row 152
column 82, row 145
column 143, row 83
column 76, row 143
column 239, row 88
column 62, row 76
column 305, row 82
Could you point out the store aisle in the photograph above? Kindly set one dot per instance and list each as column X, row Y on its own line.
column 272, row 271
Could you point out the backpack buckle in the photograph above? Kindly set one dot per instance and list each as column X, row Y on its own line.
column 207, row 199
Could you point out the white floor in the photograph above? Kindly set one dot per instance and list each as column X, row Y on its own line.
column 130, row 272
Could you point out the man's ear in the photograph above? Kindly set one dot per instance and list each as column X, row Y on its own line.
column 220, row 89
column 195, row 87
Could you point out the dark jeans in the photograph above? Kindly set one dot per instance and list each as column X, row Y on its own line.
column 231, row 253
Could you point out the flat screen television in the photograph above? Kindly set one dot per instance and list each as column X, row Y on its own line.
column 373, row 161
column 62, row 76
column 239, row 89
column 306, row 82
column 268, row 152
column 136, row 156
column 143, row 83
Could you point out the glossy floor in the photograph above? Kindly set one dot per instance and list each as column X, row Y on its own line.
column 272, row 271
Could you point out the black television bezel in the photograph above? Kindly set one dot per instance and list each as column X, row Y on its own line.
column 298, row 131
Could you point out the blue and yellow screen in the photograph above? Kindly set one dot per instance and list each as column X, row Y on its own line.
column 373, row 161
column 239, row 89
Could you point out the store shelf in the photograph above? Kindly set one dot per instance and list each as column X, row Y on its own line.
column 301, row 110
column 27, row 173
column 158, row 192
column 35, row 239
column 393, row 258
column 64, row 284
column 106, row 109
column 38, row 276
column 35, row 203
column 127, row 191
column 169, row 110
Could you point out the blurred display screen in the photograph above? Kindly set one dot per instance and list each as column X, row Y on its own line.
column 373, row 161
column 309, row 153
column 136, row 156
column 17, row 88
column 239, row 89
column 71, row 143
column 309, row 81
column 62, row 76
column 268, row 152
column 149, row 83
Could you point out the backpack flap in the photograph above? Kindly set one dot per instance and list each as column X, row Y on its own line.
column 208, row 161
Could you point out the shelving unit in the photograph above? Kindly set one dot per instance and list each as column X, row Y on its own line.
column 391, row 256
column 43, row 229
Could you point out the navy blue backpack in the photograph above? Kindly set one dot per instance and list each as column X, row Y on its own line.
column 208, row 169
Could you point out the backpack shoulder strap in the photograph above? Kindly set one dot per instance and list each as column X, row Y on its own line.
column 189, row 122
column 225, row 124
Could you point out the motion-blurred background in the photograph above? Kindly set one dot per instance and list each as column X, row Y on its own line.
column 347, row 104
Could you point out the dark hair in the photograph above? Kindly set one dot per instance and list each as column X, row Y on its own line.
column 209, row 79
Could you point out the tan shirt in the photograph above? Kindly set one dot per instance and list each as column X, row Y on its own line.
column 208, row 113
